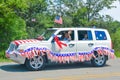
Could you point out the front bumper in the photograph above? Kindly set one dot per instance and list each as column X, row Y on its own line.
column 16, row 58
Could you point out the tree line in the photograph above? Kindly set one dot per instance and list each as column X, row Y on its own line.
column 22, row 19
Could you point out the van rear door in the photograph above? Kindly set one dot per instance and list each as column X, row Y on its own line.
column 84, row 44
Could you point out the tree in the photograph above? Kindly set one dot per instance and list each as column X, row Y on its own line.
column 95, row 6
column 35, row 16
column 34, row 7
column 42, row 22
column 116, row 40
column 11, row 26
column 82, row 12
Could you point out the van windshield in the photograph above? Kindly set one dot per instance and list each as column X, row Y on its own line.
column 47, row 34
column 12, row 47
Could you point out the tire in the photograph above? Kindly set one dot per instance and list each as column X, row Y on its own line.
column 36, row 63
column 99, row 61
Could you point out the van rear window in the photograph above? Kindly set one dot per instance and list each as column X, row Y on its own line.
column 100, row 35
column 84, row 35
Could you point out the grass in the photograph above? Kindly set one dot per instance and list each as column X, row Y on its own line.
column 5, row 60
column 117, row 54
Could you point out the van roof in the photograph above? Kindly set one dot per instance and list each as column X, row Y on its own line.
column 76, row 28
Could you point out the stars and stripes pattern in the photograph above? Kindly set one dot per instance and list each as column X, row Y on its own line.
column 105, row 51
column 58, row 20
column 66, row 57
column 33, row 51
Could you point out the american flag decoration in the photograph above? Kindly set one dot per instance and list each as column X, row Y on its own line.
column 58, row 20
column 65, row 57
column 105, row 51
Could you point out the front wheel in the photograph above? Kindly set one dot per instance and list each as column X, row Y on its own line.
column 36, row 63
column 99, row 61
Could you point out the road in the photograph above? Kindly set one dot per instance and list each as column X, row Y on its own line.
column 77, row 71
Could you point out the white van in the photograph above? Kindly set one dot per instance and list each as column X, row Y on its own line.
column 85, row 44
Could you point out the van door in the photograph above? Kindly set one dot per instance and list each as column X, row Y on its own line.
column 70, row 44
column 85, row 41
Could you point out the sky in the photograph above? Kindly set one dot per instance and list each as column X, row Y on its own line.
column 114, row 12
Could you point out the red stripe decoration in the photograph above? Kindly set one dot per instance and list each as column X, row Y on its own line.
column 23, row 41
column 100, row 51
column 68, row 59
column 60, row 59
column 106, row 52
column 17, row 42
column 87, row 58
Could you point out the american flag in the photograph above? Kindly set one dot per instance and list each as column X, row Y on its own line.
column 58, row 20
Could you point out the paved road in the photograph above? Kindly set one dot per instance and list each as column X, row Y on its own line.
column 13, row 71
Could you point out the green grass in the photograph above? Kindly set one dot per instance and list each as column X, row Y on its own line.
column 117, row 54
column 5, row 60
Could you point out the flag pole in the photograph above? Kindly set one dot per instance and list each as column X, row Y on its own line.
column 58, row 18
column 60, row 12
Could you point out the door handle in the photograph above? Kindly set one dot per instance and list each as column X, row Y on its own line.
column 90, row 44
column 71, row 45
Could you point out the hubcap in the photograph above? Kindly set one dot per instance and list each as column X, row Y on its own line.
column 100, row 59
column 36, row 62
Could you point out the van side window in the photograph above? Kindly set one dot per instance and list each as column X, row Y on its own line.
column 85, row 35
column 100, row 35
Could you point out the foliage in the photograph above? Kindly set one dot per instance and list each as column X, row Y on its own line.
column 11, row 26
column 116, row 40
column 88, row 11
column 35, row 7
column 42, row 22
column 35, row 17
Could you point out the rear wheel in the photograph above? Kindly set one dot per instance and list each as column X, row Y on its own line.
column 36, row 63
column 99, row 61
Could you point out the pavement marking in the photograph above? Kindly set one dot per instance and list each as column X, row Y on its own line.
column 85, row 76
